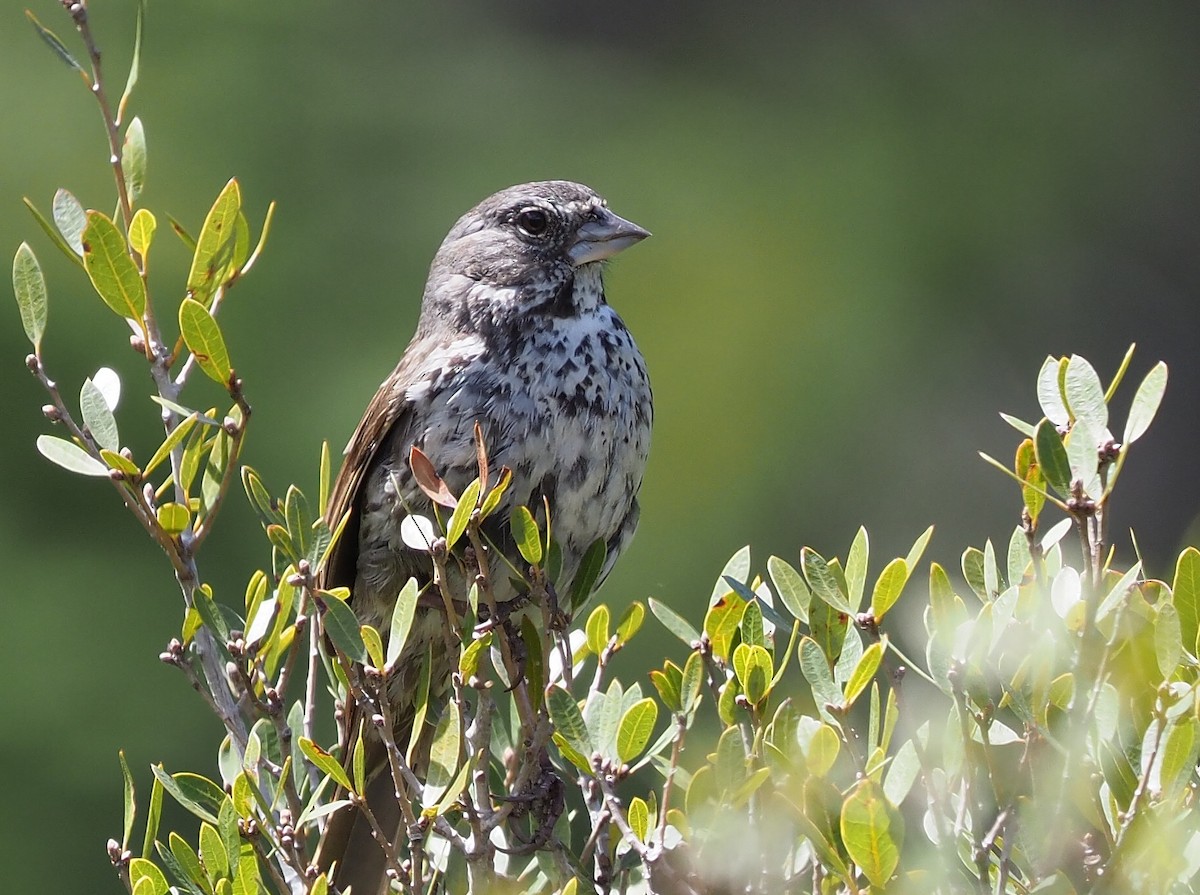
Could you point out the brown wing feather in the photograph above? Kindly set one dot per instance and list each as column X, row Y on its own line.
column 387, row 408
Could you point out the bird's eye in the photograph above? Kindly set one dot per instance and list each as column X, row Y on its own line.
column 533, row 221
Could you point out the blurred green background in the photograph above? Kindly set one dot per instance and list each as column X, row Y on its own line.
column 872, row 222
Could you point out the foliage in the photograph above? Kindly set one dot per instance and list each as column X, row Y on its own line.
column 1047, row 741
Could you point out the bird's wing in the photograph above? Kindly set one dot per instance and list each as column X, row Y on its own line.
column 389, row 408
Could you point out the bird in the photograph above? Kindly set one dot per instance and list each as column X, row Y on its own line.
column 515, row 340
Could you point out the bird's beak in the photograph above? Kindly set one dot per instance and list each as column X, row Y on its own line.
column 604, row 237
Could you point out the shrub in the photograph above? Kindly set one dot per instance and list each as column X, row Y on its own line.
column 1044, row 739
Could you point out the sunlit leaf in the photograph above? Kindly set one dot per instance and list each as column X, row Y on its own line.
column 70, row 456
column 203, row 338
column 141, row 231
column 29, row 286
column 525, row 534
column 1145, row 403
column 403, row 613
column 635, row 729
column 790, row 587
column 325, row 762
column 215, row 246
column 822, row 581
column 133, row 159
column 872, row 831
column 674, row 622
column 1049, row 391
column 1085, row 393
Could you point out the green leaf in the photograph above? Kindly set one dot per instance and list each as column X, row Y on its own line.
column 864, row 671
column 639, row 818
column 1085, row 393
column 887, row 589
column 153, row 814
column 1145, row 403
column 176, row 435
column 70, row 218
column 674, row 622
column 754, row 669
column 495, row 493
column 29, row 286
column 325, row 762
column 98, row 417
column 1020, row 425
column 135, row 64
column 568, row 721
column 444, row 754
column 262, row 239
column 856, row 568
column 216, row 244
column 133, row 159
column 70, row 456
column 187, row 861
column 1185, row 595
column 823, row 582
column 525, row 534
column 173, row 518
column 196, row 794
column 630, row 622
column 637, row 725
column 1082, row 455
column 1052, row 457
column 141, row 231
column 588, row 573
column 373, row 643
column 873, row 831
column 691, row 682
column 815, row 666
column 130, row 802
column 1168, row 640
column 1049, row 391
column 403, row 612
column 753, row 632
column 145, row 877
column 53, row 42
column 737, row 568
column 203, row 337
column 721, row 623
column 341, row 625
column 791, row 588
column 596, row 629
column 901, row 773
column 467, row 504
column 468, row 663
column 111, row 270
column 55, row 236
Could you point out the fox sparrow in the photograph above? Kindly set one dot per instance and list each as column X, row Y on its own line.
column 515, row 335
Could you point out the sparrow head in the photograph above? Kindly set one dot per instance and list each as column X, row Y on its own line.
column 522, row 248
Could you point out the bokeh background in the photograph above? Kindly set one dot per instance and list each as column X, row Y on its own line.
column 872, row 222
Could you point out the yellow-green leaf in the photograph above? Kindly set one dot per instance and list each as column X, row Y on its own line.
column 141, row 231
column 216, row 243
column 888, row 587
column 636, row 727
column 873, row 831
column 173, row 518
column 864, row 671
column 111, row 269
column 525, row 533
column 203, row 338
column 324, row 762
